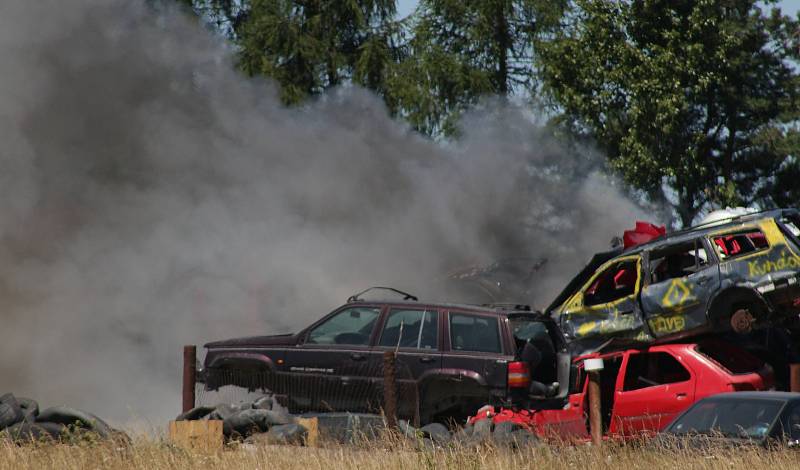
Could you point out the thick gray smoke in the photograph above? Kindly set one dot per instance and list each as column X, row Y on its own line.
column 152, row 197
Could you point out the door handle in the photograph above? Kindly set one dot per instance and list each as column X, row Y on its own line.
column 357, row 357
column 626, row 312
column 426, row 359
column 680, row 396
column 703, row 280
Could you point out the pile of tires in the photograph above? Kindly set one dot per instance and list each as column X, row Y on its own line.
column 21, row 421
column 263, row 420
column 505, row 434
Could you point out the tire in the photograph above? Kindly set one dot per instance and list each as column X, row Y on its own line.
column 247, row 422
column 293, row 434
column 436, row 432
column 30, row 408
column 741, row 321
column 27, row 432
column 72, row 417
column 10, row 411
column 195, row 413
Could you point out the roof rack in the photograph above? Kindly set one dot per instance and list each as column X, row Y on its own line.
column 509, row 306
column 725, row 220
column 357, row 297
column 713, row 223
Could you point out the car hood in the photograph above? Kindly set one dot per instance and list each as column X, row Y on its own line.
column 273, row 340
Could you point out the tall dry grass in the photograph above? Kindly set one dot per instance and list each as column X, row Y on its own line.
column 151, row 454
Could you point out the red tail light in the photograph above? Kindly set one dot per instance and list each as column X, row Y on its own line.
column 519, row 375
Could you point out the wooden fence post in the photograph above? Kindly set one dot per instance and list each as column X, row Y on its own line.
column 390, row 388
column 189, row 376
column 593, row 368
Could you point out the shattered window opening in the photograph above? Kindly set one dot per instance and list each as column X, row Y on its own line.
column 616, row 282
column 474, row 333
column 417, row 329
column 678, row 261
column 653, row 369
column 738, row 244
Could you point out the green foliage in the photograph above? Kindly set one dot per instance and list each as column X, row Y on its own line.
column 464, row 49
column 308, row 46
column 693, row 101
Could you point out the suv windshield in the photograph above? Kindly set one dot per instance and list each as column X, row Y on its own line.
column 743, row 419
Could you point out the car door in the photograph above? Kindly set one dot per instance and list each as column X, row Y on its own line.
column 329, row 369
column 475, row 351
column 680, row 280
column 414, row 333
column 608, row 303
column 652, row 388
column 571, row 421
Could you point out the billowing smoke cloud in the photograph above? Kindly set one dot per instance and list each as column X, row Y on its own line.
column 152, row 197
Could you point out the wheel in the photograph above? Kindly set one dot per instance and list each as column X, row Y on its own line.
column 742, row 321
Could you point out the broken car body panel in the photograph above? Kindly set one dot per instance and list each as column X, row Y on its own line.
column 688, row 282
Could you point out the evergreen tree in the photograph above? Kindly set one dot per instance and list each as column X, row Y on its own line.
column 461, row 50
column 693, row 101
column 308, row 46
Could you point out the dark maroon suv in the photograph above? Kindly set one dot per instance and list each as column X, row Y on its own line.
column 451, row 358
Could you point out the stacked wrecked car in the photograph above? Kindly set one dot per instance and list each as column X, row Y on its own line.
column 675, row 318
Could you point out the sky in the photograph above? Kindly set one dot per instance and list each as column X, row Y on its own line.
column 405, row 7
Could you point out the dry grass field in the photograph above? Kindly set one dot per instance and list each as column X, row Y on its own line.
column 150, row 454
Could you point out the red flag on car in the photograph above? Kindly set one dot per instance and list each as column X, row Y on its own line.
column 643, row 233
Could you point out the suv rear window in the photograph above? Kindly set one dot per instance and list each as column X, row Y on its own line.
column 730, row 358
column 474, row 333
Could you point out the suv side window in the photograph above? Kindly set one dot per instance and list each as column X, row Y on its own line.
column 737, row 244
column 678, row 261
column 351, row 326
column 474, row 333
column 652, row 369
column 616, row 282
column 418, row 329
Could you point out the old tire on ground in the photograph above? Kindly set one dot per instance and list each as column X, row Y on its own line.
column 742, row 321
column 10, row 411
column 72, row 417
column 523, row 438
column 247, row 422
column 25, row 431
column 287, row 434
column 436, row 432
column 30, row 408
column 195, row 413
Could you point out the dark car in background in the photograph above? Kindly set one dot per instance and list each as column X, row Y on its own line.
column 451, row 358
column 752, row 418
